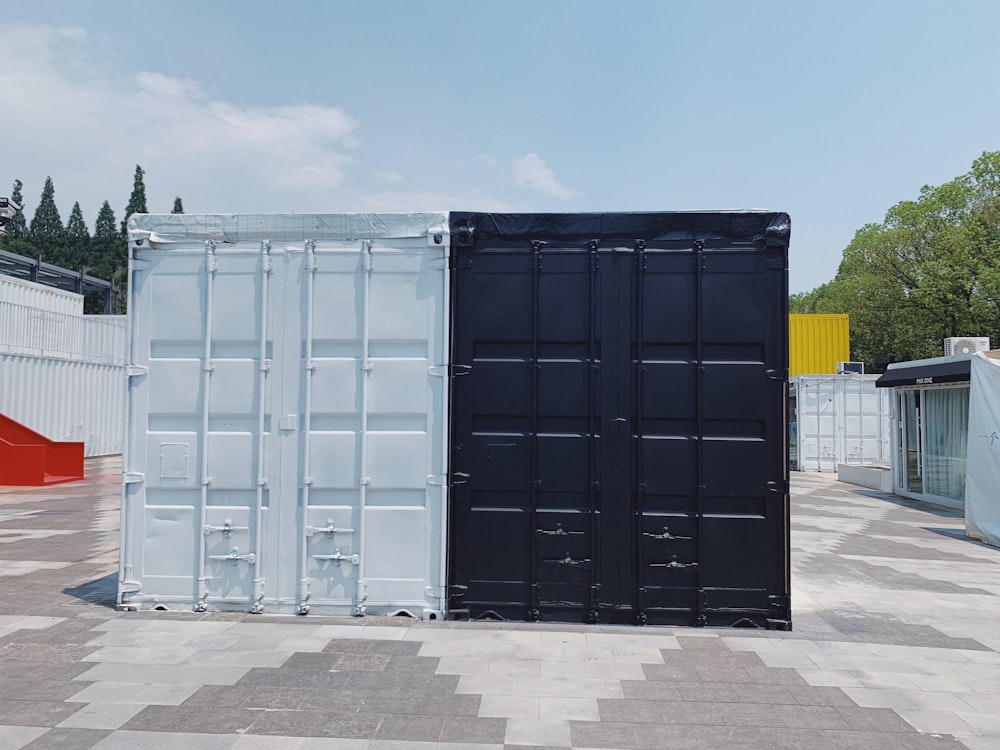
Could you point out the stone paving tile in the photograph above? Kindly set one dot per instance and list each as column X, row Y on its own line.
column 424, row 728
column 863, row 740
column 163, row 741
column 102, row 715
column 554, row 732
column 473, row 730
column 201, row 721
column 316, row 724
column 67, row 739
column 35, row 713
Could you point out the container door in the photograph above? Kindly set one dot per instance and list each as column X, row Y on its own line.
column 618, row 437
column 525, row 448
column 371, row 387
column 738, row 506
column 196, row 499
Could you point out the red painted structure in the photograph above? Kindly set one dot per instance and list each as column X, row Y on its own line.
column 30, row 459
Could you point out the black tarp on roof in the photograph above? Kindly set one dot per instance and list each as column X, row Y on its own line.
column 927, row 373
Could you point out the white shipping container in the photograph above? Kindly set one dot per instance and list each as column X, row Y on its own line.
column 287, row 414
column 39, row 296
column 66, row 400
column 839, row 419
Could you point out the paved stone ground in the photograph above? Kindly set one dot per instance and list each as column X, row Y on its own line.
column 897, row 633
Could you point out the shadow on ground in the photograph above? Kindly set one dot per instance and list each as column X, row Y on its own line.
column 102, row 591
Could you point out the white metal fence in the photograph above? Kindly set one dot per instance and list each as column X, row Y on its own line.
column 63, row 374
column 98, row 339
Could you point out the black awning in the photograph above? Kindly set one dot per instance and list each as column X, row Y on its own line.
column 927, row 373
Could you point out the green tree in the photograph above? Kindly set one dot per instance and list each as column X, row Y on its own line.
column 137, row 201
column 108, row 258
column 930, row 270
column 178, row 206
column 77, row 239
column 46, row 230
column 17, row 228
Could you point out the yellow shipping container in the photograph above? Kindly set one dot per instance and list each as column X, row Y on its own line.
column 817, row 342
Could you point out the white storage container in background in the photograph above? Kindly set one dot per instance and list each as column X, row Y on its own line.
column 838, row 419
column 287, row 413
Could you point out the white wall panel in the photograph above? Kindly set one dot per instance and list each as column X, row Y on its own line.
column 66, row 400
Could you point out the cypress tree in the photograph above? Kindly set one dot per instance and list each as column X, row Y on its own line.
column 137, row 201
column 17, row 229
column 109, row 258
column 178, row 206
column 77, row 239
column 104, row 245
column 46, row 230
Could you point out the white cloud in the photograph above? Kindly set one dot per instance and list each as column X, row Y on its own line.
column 70, row 111
column 530, row 171
column 87, row 125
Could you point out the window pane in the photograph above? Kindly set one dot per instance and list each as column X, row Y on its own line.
column 946, row 412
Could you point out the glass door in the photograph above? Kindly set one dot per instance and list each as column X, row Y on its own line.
column 911, row 459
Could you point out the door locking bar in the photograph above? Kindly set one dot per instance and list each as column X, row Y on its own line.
column 558, row 531
column 339, row 556
column 330, row 529
column 227, row 528
column 234, row 557
column 673, row 564
column 666, row 535
column 570, row 562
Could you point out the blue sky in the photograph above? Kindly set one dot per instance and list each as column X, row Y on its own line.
column 832, row 112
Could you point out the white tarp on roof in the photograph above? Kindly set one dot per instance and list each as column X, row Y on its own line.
column 982, row 488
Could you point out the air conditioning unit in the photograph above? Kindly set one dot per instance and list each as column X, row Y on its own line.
column 966, row 345
column 850, row 368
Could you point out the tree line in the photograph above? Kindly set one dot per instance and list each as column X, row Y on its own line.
column 928, row 271
column 102, row 254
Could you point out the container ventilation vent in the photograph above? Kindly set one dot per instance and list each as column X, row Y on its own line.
column 968, row 345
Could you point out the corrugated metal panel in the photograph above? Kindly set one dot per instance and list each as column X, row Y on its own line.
column 28, row 293
column 817, row 342
column 840, row 419
column 287, row 413
column 66, row 400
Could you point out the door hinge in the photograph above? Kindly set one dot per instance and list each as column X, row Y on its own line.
column 438, row 237
column 135, row 371
column 133, row 477
column 778, row 374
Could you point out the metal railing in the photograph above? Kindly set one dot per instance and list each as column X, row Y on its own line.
column 98, row 339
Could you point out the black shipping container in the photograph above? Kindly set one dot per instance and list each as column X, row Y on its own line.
column 617, row 424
